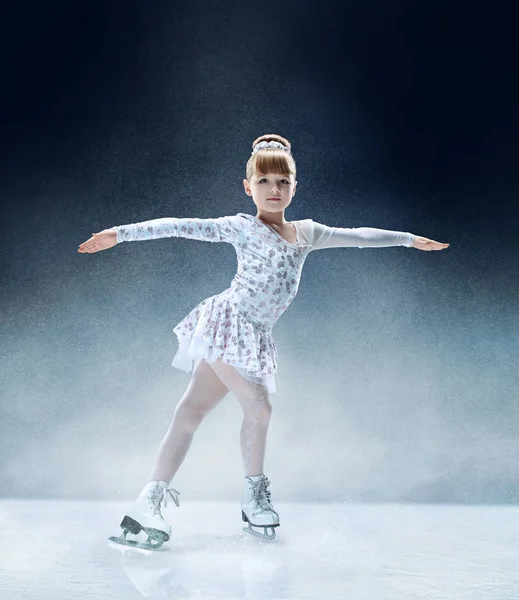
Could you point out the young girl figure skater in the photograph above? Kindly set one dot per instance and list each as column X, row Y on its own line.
column 226, row 341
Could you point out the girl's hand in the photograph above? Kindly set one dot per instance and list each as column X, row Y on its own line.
column 423, row 243
column 99, row 241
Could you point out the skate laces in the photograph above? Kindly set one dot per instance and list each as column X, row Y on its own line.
column 174, row 495
column 159, row 495
column 261, row 493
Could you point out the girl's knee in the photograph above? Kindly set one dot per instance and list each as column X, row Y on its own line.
column 259, row 410
column 189, row 417
column 268, row 407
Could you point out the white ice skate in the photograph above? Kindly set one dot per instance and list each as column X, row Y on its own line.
column 144, row 515
column 256, row 508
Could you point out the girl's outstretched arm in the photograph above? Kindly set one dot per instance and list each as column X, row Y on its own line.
column 220, row 229
column 324, row 236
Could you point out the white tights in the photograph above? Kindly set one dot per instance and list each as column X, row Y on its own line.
column 209, row 384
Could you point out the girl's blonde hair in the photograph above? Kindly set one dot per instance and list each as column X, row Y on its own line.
column 271, row 160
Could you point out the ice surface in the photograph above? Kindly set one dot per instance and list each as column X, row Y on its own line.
column 60, row 550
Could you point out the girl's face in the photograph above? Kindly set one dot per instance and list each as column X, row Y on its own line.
column 271, row 192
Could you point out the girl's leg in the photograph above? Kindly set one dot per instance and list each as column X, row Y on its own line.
column 204, row 392
column 254, row 399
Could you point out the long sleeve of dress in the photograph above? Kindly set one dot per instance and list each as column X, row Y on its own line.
column 324, row 236
column 220, row 229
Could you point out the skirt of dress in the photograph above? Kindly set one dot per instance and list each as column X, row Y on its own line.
column 216, row 329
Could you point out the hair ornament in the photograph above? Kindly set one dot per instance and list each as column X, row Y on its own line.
column 263, row 145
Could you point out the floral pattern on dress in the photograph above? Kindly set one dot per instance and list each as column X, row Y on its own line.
column 236, row 324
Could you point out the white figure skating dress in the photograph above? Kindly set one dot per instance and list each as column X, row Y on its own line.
column 236, row 324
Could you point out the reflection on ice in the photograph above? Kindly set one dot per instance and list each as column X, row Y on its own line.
column 219, row 572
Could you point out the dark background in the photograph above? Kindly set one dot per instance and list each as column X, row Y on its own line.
column 402, row 115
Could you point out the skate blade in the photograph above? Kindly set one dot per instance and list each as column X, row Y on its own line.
column 129, row 525
column 135, row 544
column 266, row 536
column 155, row 537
